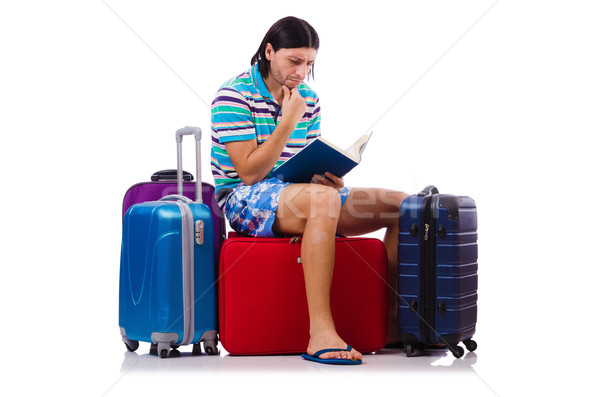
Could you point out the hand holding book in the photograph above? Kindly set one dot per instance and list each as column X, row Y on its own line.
column 328, row 179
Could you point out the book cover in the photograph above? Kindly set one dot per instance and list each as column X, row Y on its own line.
column 318, row 157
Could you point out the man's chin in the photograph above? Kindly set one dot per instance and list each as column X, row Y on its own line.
column 292, row 83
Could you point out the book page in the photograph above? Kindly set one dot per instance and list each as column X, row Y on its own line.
column 356, row 150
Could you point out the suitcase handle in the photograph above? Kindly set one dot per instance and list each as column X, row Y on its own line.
column 170, row 175
column 189, row 130
column 197, row 132
column 185, row 199
column 428, row 191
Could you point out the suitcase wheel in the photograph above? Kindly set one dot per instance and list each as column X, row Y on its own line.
column 197, row 350
column 409, row 350
column 210, row 347
column 131, row 345
column 457, row 351
column 164, row 349
column 470, row 344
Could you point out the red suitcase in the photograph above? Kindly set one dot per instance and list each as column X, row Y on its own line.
column 262, row 300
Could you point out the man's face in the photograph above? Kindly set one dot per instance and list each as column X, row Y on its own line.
column 289, row 66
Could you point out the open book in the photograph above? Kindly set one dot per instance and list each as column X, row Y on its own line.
column 320, row 156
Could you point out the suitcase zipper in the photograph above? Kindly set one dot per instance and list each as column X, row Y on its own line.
column 187, row 271
column 428, row 273
column 294, row 240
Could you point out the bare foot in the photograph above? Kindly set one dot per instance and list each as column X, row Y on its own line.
column 331, row 340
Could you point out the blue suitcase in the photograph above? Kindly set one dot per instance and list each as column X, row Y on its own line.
column 437, row 271
column 167, row 292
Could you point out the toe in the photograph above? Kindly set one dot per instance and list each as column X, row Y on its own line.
column 338, row 354
column 355, row 355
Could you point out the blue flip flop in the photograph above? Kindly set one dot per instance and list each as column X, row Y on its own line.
column 337, row 361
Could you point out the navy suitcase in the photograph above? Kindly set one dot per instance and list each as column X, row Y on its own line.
column 167, row 292
column 437, row 271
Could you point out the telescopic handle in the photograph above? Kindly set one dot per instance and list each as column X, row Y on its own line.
column 197, row 132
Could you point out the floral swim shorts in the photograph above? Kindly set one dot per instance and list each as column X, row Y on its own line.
column 251, row 209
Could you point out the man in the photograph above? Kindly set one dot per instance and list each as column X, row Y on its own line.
column 261, row 118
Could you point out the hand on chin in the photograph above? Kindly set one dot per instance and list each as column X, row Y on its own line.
column 291, row 83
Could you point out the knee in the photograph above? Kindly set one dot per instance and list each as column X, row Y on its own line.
column 325, row 202
column 394, row 201
column 397, row 197
column 389, row 206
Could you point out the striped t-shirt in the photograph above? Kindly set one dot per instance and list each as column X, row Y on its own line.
column 244, row 109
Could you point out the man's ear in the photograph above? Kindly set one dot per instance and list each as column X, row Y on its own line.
column 269, row 51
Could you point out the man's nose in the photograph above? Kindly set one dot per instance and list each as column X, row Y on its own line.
column 301, row 70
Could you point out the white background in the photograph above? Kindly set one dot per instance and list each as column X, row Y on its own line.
column 495, row 100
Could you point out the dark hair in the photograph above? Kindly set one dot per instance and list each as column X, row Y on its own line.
column 288, row 32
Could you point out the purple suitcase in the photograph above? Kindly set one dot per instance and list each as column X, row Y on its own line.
column 163, row 183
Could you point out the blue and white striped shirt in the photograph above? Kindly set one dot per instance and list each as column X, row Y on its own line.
column 244, row 109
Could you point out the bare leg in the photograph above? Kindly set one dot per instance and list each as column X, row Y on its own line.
column 367, row 210
column 313, row 210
